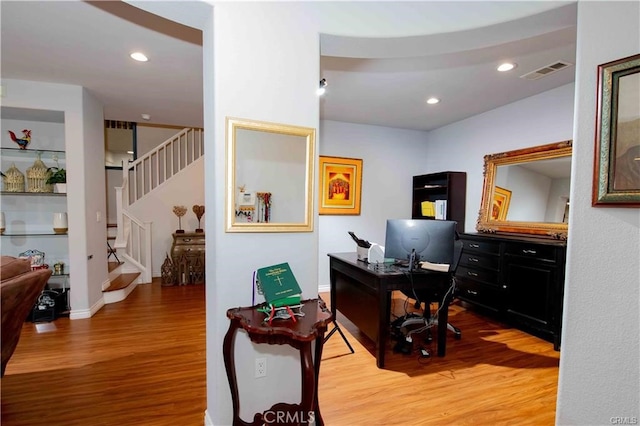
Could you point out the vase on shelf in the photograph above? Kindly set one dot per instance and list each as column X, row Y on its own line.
column 60, row 223
column 60, row 188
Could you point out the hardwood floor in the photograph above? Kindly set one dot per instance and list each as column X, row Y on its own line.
column 142, row 362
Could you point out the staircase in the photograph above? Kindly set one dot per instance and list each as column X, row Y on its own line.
column 129, row 241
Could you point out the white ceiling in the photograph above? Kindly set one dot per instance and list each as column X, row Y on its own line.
column 371, row 81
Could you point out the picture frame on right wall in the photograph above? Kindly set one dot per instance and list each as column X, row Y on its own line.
column 616, row 180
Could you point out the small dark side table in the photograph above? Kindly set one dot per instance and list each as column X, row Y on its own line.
column 297, row 334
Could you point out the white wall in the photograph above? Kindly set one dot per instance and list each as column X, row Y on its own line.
column 149, row 136
column 246, row 53
column 186, row 188
column 599, row 368
column 538, row 120
column 83, row 130
column 390, row 158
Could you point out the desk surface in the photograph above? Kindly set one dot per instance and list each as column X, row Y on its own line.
column 381, row 270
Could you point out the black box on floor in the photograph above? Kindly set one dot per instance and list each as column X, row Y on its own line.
column 51, row 304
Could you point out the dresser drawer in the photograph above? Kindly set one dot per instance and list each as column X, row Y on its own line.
column 480, row 260
column 477, row 274
column 483, row 246
column 540, row 252
column 486, row 296
column 190, row 241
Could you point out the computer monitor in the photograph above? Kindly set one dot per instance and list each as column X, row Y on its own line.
column 432, row 240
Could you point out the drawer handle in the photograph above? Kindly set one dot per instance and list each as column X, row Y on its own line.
column 475, row 293
column 186, row 240
column 472, row 274
column 474, row 245
column 473, row 259
column 529, row 251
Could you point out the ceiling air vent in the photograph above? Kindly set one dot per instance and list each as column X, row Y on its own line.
column 546, row 70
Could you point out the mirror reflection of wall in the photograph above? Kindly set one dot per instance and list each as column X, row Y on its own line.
column 119, row 140
column 275, row 163
column 539, row 190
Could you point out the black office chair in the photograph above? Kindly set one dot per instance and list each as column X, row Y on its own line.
column 426, row 321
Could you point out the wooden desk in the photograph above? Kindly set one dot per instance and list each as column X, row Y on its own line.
column 297, row 334
column 362, row 293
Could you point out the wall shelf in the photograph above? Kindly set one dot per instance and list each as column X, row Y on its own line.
column 33, row 234
column 448, row 186
column 46, row 194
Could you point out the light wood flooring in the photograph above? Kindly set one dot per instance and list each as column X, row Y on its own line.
column 142, row 362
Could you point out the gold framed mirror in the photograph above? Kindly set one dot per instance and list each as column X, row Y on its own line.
column 526, row 191
column 269, row 177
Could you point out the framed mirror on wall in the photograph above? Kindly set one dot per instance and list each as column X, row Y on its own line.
column 526, row 191
column 269, row 177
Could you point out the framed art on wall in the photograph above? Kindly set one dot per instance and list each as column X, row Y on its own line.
column 340, row 185
column 616, row 180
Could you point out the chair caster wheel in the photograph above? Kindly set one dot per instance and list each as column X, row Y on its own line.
column 457, row 336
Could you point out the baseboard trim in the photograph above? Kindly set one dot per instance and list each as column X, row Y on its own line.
column 86, row 313
column 324, row 288
column 106, row 284
column 119, row 295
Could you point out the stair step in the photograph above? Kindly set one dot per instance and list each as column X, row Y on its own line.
column 122, row 281
column 112, row 225
column 113, row 265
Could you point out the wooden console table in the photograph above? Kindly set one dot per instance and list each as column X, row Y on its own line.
column 311, row 327
column 188, row 256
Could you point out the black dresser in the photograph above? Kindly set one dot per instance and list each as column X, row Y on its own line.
column 519, row 280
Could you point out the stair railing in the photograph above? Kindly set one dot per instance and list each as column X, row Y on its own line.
column 133, row 237
column 157, row 166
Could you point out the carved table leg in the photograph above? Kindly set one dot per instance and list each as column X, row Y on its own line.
column 230, row 366
column 318, row 357
column 308, row 378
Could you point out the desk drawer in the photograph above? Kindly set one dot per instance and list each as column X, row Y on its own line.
column 477, row 274
column 479, row 260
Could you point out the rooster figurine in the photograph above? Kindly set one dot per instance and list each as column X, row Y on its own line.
column 22, row 142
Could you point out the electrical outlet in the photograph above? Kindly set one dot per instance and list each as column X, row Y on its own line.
column 261, row 367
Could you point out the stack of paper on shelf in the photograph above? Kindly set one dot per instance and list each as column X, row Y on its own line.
column 428, row 208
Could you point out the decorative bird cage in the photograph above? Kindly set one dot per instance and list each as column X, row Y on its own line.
column 13, row 180
column 37, row 176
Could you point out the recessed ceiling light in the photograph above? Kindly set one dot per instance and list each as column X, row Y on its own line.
column 139, row 56
column 130, row 152
column 146, row 117
column 507, row 66
column 433, row 101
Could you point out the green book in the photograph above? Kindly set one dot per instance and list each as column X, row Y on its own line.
column 278, row 285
